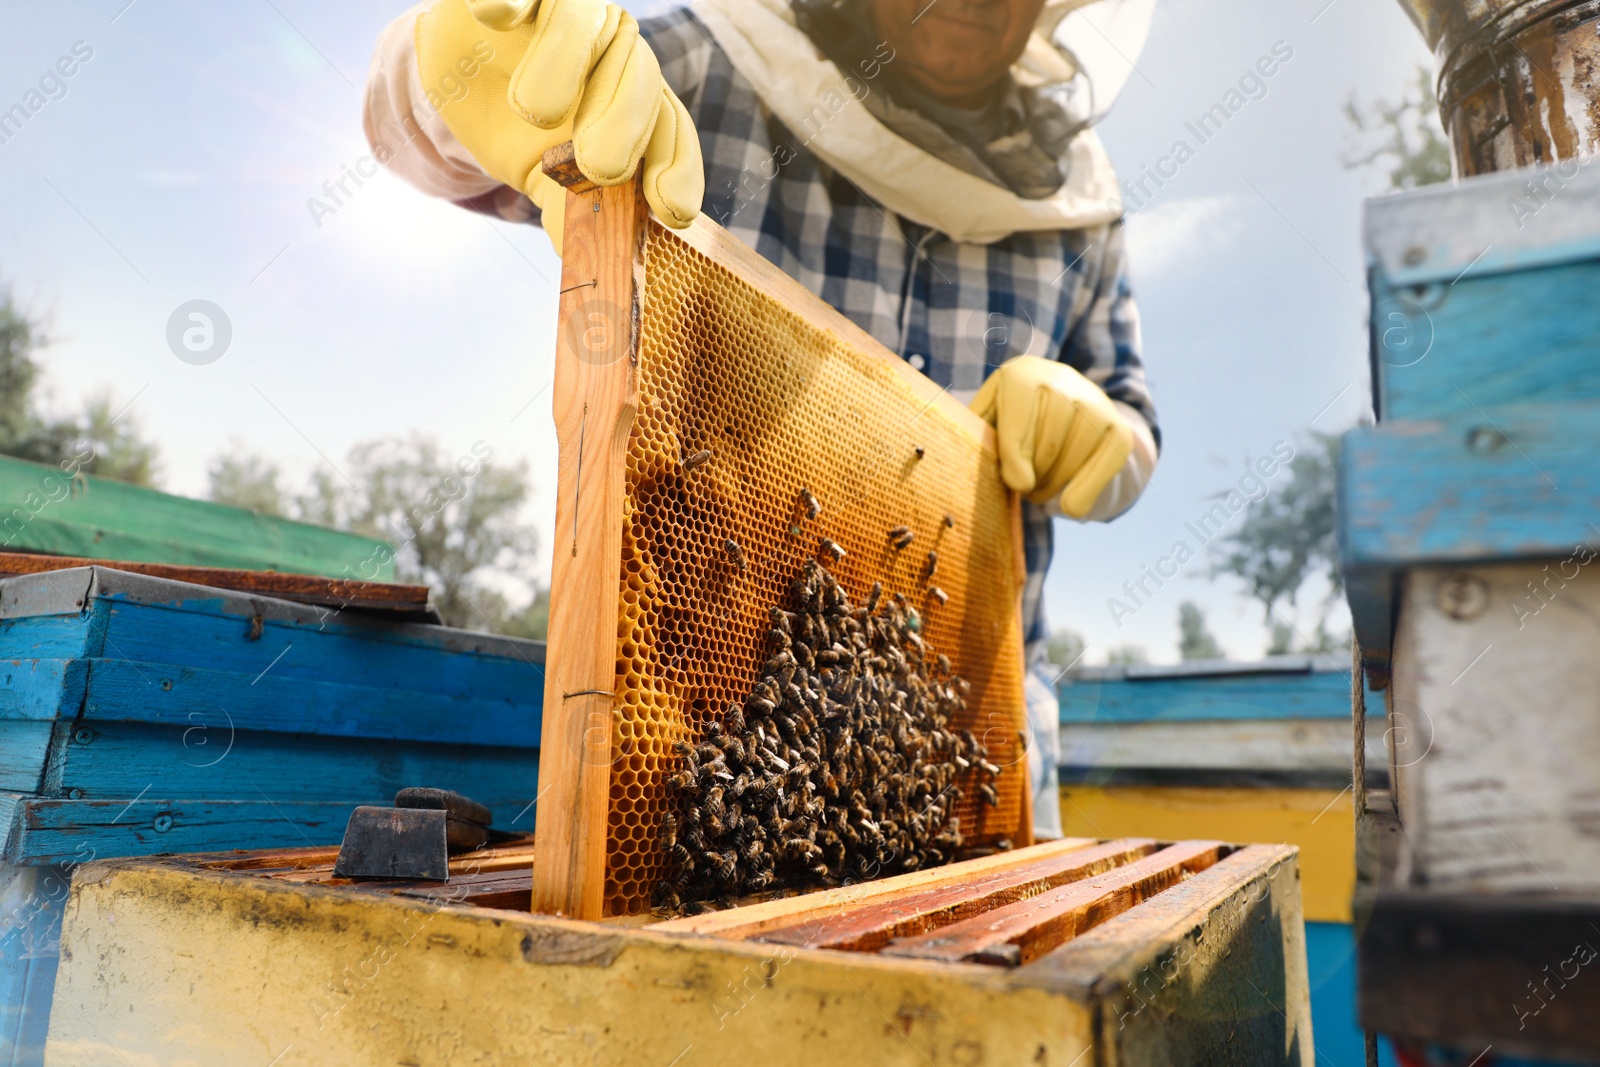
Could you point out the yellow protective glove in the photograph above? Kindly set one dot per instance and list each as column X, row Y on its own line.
column 1058, row 432
column 512, row 78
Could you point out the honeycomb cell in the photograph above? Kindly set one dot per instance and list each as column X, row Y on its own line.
column 785, row 405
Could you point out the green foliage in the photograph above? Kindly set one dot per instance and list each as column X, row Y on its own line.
column 120, row 450
column 454, row 521
column 1291, row 534
column 1124, row 655
column 246, row 481
column 1403, row 138
column 1195, row 640
column 451, row 528
column 1282, row 642
column 1064, row 648
column 20, row 337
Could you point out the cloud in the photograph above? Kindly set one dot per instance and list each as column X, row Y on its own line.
column 1179, row 232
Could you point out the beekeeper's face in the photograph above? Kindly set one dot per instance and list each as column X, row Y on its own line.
column 955, row 50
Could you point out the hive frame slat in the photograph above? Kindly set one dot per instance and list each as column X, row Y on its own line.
column 595, row 400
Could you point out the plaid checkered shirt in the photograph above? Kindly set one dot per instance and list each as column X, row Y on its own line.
column 953, row 311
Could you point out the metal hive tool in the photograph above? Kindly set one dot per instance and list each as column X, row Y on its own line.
column 719, row 426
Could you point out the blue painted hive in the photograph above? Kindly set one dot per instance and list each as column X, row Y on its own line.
column 139, row 715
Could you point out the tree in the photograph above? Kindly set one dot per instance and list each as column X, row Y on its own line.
column 1195, row 640
column 1064, row 648
column 1288, row 538
column 20, row 337
column 246, row 481
column 1124, row 655
column 1403, row 138
column 120, row 451
column 452, row 528
column 1290, row 534
column 455, row 523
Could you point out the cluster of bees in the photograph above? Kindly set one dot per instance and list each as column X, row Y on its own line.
column 841, row 764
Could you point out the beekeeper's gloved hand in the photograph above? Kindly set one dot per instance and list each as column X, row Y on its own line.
column 512, row 78
column 1059, row 433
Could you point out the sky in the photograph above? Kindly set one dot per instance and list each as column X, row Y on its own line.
column 179, row 160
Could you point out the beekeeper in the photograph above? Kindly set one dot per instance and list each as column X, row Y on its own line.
column 927, row 167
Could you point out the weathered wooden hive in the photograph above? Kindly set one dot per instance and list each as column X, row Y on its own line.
column 1121, row 953
column 672, row 346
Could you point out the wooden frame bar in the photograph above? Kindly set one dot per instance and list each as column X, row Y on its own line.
column 871, row 927
column 595, row 401
column 1026, row 930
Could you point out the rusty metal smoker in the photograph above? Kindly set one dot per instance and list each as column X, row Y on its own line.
column 1518, row 80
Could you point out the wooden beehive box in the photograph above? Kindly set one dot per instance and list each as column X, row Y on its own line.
column 685, row 343
column 1468, row 538
column 1123, row 953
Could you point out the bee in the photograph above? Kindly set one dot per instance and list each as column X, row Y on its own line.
column 933, row 564
column 665, row 898
column 690, row 462
column 898, row 534
column 831, row 548
column 990, row 797
column 920, row 451
column 669, row 830
column 949, row 522
column 735, row 553
column 812, row 505
column 939, row 595
column 839, row 758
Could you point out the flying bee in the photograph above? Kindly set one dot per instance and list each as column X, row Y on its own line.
column 830, row 548
column 690, row 462
column 812, row 505
column 735, row 553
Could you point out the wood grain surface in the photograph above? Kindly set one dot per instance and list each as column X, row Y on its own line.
column 870, row 927
column 1020, row 933
column 595, row 401
column 405, row 600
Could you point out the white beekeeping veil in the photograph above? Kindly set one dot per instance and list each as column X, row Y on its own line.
column 1083, row 52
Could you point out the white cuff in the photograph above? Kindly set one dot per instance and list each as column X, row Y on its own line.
column 405, row 131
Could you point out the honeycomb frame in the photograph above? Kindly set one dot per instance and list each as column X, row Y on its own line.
column 677, row 343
